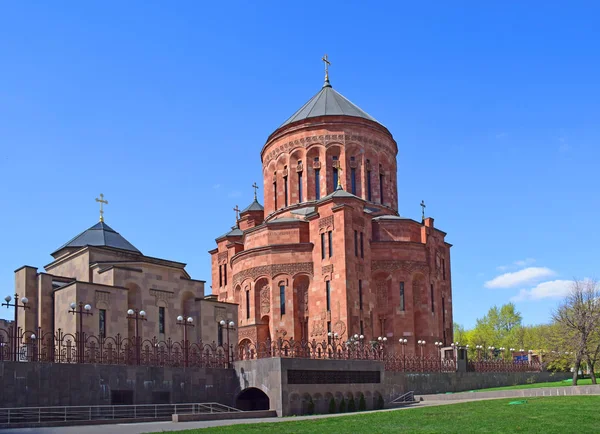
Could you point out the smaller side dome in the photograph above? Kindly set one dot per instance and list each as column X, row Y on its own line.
column 100, row 235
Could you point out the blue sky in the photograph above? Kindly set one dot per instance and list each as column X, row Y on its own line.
column 164, row 107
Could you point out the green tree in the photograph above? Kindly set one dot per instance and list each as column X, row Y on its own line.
column 332, row 406
column 362, row 405
column 351, row 405
column 342, row 408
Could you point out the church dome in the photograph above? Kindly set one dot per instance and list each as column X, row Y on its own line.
column 328, row 102
column 100, row 235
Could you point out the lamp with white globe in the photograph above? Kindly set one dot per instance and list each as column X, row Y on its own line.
column 81, row 310
column 17, row 306
column 137, row 316
column 226, row 325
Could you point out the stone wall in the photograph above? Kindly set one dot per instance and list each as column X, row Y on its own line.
column 292, row 383
column 45, row 384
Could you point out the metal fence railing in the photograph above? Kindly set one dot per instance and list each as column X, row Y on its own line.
column 32, row 415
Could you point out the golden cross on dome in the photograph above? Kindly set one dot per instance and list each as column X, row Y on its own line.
column 327, row 63
column 255, row 187
column 102, row 202
column 237, row 213
column 423, row 206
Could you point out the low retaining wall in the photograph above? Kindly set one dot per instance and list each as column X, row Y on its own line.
column 516, row 393
column 34, row 384
column 439, row 382
column 224, row 416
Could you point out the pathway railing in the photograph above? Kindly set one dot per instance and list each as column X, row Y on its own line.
column 33, row 415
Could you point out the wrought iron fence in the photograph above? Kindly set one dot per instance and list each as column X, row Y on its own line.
column 504, row 366
column 59, row 347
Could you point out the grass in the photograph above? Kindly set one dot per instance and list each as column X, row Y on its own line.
column 547, row 415
column 580, row 382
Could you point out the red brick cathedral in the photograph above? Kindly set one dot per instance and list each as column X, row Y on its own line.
column 329, row 252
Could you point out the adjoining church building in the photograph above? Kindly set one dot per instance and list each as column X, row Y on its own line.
column 101, row 268
column 328, row 251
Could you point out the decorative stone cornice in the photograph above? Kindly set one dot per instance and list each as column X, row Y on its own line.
column 324, row 139
column 272, row 270
column 405, row 266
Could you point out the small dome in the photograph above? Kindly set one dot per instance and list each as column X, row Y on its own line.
column 100, row 235
column 254, row 206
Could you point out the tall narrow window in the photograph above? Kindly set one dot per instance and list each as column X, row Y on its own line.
column 360, row 303
column 356, row 243
column 299, row 183
column 102, row 322
column 220, row 276
column 282, row 299
column 225, row 274
column 161, row 319
column 247, row 304
column 362, row 329
column 368, row 184
column 362, row 246
column 335, row 173
column 443, row 312
column 220, row 336
column 322, row 245
column 330, row 239
column 285, row 188
column 402, row 305
column 275, row 193
column 328, row 332
column 432, row 307
column 317, row 184
column 443, row 269
column 381, row 188
column 328, row 294
column 353, row 179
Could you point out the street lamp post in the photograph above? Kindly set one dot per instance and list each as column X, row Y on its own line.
column 403, row 342
column 333, row 337
column 421, row 344
column 382, row 341
column 185, row 324
column 502, row 350
column 479, row 348
column 228, row 326
column 17, row 306
column 137, row 316
column 83, row 310
column 491, row 350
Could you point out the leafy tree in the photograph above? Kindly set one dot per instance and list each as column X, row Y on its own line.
column 342, row 408
column 362, row 405
column 311, row 406
column 577, row 319
column 351, row 405
column 380, row 402
column 332, row 406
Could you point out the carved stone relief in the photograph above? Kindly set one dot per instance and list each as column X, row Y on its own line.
column 272, row 270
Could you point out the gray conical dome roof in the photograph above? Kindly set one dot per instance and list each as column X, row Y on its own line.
column 100, row 235
column 328, row 102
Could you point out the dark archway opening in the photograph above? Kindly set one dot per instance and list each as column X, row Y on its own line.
column 252, row 399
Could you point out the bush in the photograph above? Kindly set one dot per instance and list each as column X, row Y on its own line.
column 342, row 406
column 311, row 407
column 362, row 405
column 332, row 406
column 351, row 405
column 380, row 403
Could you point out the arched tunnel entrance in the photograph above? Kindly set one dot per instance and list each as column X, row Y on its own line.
column 252, row 399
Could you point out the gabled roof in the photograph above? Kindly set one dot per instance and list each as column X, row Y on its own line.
column 100, row 235
column 328, row 102
column 254, row 206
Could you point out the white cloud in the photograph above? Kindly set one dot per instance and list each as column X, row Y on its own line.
column 517, row 264
column 519, row 278
column 550, row 289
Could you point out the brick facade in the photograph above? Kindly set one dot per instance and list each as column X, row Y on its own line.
column 350, row 242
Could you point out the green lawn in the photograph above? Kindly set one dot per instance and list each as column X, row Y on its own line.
column 580, row 382
column 547, row 415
